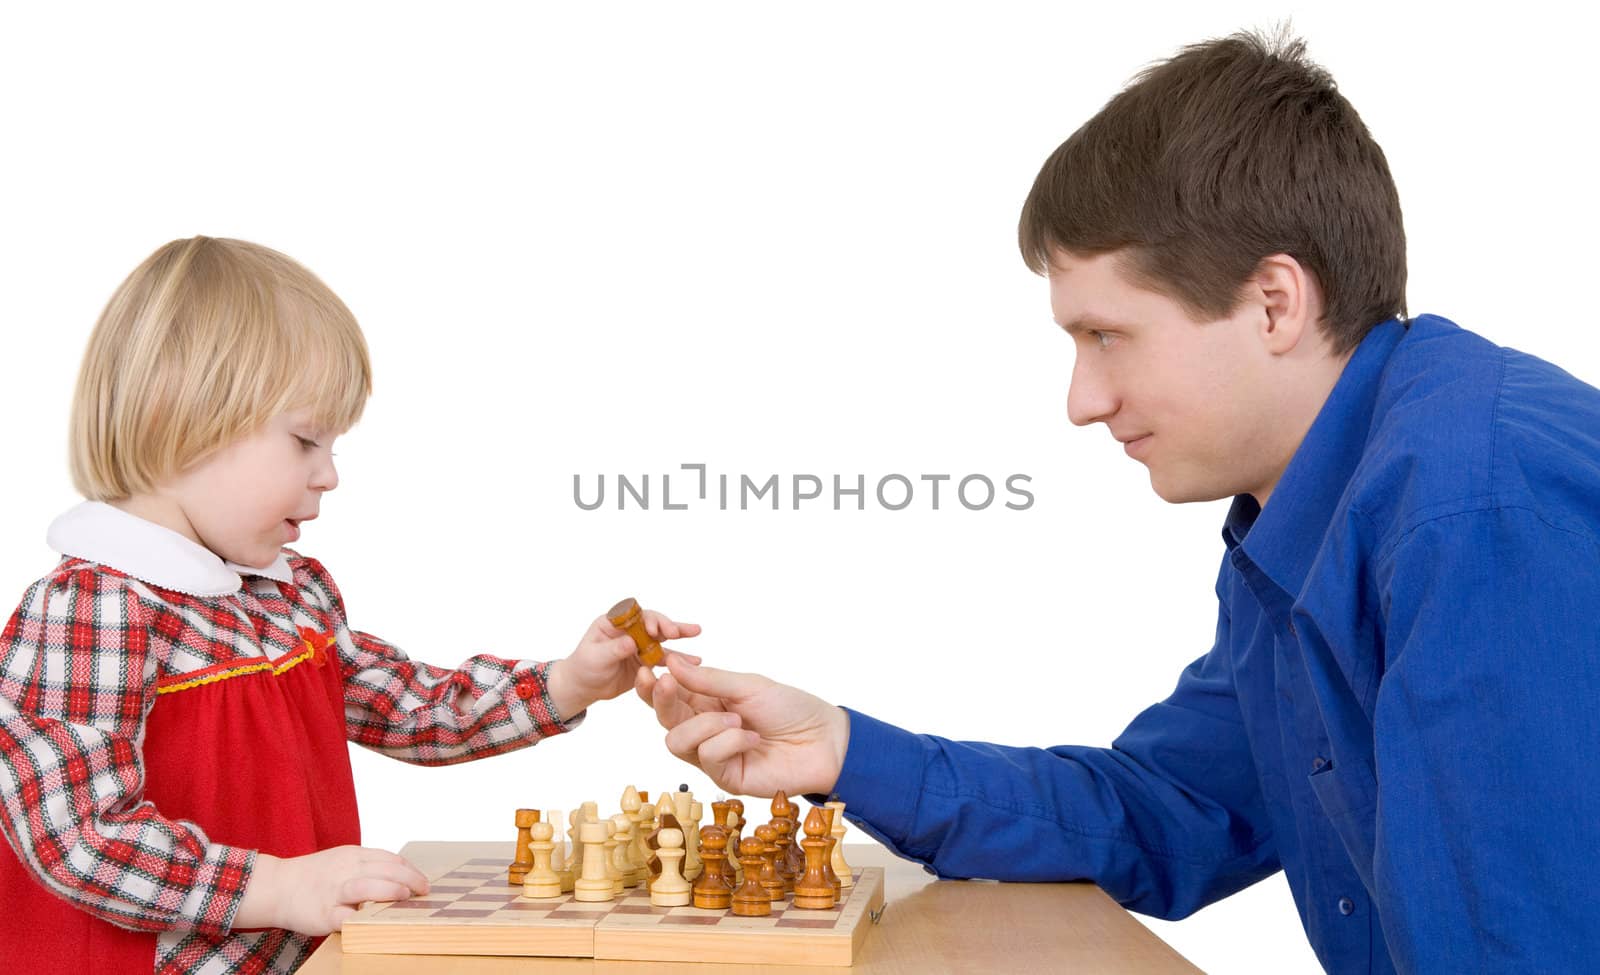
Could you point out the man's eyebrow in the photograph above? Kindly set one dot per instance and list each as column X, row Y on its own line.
column 1089, row 323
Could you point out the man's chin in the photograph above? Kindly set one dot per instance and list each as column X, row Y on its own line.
column 1176, row 490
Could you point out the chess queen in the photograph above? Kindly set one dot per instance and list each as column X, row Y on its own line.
column 176, row 693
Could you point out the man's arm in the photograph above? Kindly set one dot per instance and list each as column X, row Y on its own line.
column 1167, row 820
column 1487, row 746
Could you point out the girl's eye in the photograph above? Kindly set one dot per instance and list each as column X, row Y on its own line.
column 307, row 444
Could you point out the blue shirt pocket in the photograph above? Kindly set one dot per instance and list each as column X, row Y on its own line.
column 1348, row 791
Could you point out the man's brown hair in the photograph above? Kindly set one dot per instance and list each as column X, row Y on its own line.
column 1233, row 150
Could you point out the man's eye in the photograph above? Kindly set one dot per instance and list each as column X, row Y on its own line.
column 1100, row 338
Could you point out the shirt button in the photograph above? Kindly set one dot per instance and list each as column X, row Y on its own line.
column 1316, row 765
column 527, row 687
column 1347, row 906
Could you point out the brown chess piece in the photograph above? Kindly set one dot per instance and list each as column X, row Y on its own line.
column 713, row 889
column 794, row 860
column 627, row 616
column 827, row 865
column 735, row 835
column 781, row 861
column 751, row 899
column 518, row 871
column 767, row 874
column 812, row 890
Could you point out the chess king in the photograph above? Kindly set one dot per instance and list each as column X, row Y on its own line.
column 1398, row 708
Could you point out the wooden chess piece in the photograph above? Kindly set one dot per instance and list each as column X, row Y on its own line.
column 564, row 867
column 653, row 847
column 670, row 889
column 794, row 859
column 827, row 850
column 519, row 867
column 812, row 891
column 751, row 899
column 594, row 882
column 735, row 825
column 542, row 881
column 688, row 813
column 713, row 889
column 783, row 826
column 841, row 869
column 768, row 876
column 627, row 616
column 620, row 857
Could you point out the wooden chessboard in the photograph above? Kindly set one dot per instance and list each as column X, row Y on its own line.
column 471, row 910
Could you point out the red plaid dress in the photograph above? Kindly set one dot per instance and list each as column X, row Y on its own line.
column 162, row 719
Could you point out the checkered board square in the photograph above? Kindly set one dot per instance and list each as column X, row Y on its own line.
column 471, row 910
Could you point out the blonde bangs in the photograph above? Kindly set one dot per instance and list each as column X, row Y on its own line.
column 205, row 341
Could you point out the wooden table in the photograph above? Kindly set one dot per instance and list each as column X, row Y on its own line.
column 929, row 926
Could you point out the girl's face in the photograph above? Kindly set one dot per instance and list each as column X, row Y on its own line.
column 247, row 501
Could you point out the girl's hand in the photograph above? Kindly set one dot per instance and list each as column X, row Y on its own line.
column 313, row 894
column 606, row 662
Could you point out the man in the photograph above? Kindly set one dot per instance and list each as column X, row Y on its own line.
column 1398, row 708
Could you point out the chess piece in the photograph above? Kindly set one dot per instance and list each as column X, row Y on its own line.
column 682, row 807
column 827, row 850
column 627, row 616
column 542, row 881
column 653, row 847
column 794, row 860
column 768, row 876
column 692, row 866
column 841, row 869
column 783, row 826
column 713, row 889
column 670, row 889
column 559, row 862
column 519, row 867
column 735, row 826
column 751, row 899
column 812, row 891
column 621, row 855
column 636, row 808
column 594, row 883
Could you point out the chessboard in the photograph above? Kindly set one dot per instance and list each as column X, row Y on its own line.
column 470, row 909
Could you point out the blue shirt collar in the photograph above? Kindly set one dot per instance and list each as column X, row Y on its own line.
column 1283, row 539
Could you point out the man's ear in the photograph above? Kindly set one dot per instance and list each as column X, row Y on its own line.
column 1291, row 300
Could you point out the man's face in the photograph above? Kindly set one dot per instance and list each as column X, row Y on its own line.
column 1190, row 400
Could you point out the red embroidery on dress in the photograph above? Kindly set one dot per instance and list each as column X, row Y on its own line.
column 317, row 643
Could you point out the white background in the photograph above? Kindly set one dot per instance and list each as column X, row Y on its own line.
column 603, row 238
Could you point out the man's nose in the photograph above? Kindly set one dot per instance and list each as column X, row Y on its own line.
column 1090, row 397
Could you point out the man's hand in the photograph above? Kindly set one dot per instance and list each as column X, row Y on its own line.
column 751, row 735
column 313, row 894
column 606, row 663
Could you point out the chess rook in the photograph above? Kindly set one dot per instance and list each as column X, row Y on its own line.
column 518, row 870
column 594, row 883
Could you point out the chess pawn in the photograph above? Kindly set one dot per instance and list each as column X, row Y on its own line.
column 782, row 861
column 841, row 869
column 713, row 889
column 752, row 899
column 610, row 844
column 827, row 850
column 594, row 883
column 811, row 889
column 767, row 870
column 542, row 881
column 670, row 889
column 622, row 856
column 524, row 859
column 794, row 862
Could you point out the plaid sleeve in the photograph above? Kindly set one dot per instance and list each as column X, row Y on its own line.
column 77, row 678
column 429, row 715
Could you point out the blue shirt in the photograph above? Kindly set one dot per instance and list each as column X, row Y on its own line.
column 1401, row 709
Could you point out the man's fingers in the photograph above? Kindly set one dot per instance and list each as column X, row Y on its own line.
column 685, row 739
column 727, row 685
column 724, row 747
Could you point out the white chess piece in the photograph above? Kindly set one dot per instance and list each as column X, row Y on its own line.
column 595, row 884
column 840, row 868
column 542, row 882
column 670, row 889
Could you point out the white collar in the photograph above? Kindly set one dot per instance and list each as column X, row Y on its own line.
column 98, row 532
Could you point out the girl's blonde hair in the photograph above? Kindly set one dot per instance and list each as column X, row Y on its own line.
column 205, row 341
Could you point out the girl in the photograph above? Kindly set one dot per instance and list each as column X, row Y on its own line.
column 175, row 696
